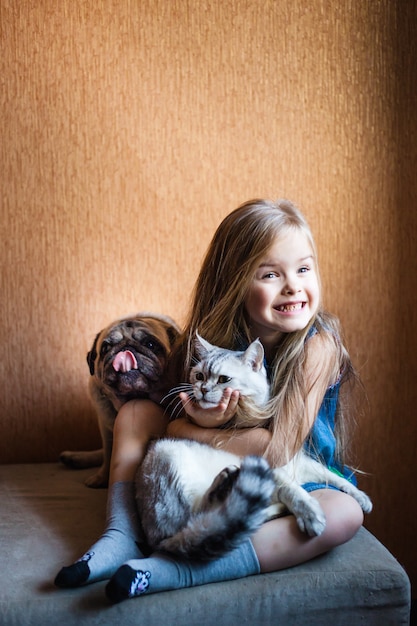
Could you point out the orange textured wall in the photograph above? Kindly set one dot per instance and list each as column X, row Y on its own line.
column 129, row 128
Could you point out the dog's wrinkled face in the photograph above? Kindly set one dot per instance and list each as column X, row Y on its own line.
column 128, row 358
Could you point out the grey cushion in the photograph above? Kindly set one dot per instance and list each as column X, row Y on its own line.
column 49, row 518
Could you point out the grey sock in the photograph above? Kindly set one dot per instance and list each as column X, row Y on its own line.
column 161, row 572
column 118, row 543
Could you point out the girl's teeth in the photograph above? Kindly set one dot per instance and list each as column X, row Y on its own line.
column 290, row 307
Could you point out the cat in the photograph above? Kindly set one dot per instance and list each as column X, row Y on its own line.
column 197, row 501
column 219, row 368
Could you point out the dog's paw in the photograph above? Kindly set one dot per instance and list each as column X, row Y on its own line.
column 75, row 460
column 81, row 459
column 97, row 481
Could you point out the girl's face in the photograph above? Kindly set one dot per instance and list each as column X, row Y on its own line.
column 284, row 294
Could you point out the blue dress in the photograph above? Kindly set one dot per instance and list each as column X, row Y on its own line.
column 321, row 443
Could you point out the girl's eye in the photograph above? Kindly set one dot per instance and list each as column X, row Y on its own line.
column 199, row 376
column 304, row 269
column 270, row 275
column 222, row 380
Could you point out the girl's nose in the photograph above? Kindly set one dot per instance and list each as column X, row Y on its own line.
column 289, row 291
column 291, row 286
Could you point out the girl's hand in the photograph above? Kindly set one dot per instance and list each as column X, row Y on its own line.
column 215, row 417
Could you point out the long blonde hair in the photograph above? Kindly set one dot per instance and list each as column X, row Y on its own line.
column 218, row 312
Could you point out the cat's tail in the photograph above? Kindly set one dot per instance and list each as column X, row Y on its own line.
column 234, row 507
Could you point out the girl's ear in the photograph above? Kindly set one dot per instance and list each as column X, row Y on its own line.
column 254, row 355
column 201, row 346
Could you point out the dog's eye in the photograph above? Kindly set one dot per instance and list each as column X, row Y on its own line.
column 152, row 345
column 105, row 347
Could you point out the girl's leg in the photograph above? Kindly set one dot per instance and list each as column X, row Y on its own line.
column 137, row 422
column 278, row 544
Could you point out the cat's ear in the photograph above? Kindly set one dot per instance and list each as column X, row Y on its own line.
column 254, row 355
column 201, row 346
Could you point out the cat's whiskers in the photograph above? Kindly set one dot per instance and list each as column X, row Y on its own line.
column 176, row 390
column 175, row 411
column 191, row 398
column 175, row 404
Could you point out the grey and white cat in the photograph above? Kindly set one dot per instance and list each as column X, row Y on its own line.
column 197, row 501
column 218, row 368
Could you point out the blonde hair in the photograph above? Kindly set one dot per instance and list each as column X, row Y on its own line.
column 218, row 312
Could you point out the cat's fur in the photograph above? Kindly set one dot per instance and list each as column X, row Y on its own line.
column 200, row 502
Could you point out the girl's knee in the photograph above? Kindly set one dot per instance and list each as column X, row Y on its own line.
column 140, row 417
column 137, row 422
column 344, row 517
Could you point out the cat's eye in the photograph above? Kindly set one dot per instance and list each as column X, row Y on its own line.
column 199, row 376
column 223, row 380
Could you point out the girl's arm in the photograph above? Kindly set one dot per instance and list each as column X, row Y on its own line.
column 204, row 425
column 321, row 369
column 242, row 441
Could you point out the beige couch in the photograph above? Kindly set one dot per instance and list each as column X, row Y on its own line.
column 48, row 518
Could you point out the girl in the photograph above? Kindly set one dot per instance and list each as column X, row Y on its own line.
column 259, row 279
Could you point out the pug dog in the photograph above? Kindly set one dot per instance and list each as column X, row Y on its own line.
column 127, row 360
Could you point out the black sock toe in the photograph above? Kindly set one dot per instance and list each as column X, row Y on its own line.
column 74, row 575
column 118, row 587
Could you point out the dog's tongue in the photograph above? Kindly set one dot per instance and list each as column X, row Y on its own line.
column 125, row 361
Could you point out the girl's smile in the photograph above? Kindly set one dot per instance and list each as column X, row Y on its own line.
column 284, row 294
column 290, row 307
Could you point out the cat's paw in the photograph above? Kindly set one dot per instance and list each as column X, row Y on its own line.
column 222, row 485
column 363, row 500
column 361, row 497
column 311, row 518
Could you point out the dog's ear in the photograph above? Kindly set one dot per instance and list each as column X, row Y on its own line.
column 173, row 334
column 92, row 355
